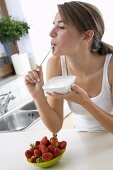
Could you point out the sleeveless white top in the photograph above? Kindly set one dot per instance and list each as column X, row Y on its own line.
column 84, row 121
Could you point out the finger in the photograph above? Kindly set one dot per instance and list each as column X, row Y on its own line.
column 37, row 67
column 49, row 94
column 31, row 75
column 75, row 88
column 78, row 89
column 36, row 75
column 28, row 79
column 40, row 72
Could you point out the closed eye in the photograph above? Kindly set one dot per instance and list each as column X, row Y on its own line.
column 61, row 27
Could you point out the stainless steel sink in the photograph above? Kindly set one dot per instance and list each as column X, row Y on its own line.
column 20, row 119
column 29, row 106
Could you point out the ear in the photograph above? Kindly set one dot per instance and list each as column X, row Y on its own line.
column 88, row 36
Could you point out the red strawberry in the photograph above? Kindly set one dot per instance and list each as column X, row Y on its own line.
column 62, row 144
column 44, row 141
column 28, row 154
column 37, row 143
column 51, row 148
column 47, row 156
column 37, row 153
column 57, row 152
column 54, row 141
column 32, row 150
column 33, row 159
column 43, row 148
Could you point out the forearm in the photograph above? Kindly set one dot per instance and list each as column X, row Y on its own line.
column 105, row 119
column 48, row 115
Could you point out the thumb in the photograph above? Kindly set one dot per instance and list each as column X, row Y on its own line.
column 75, row 88
column 41, row 72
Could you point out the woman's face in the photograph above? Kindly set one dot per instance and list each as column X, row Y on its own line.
column 66, row 39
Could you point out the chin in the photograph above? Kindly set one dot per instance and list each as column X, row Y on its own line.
column 56, row 53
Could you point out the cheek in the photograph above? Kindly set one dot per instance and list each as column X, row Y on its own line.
column 74, row 41
column 64, row 40
column 68, row 42
column 64, row 44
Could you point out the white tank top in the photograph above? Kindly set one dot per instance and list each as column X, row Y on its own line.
column 84, row 121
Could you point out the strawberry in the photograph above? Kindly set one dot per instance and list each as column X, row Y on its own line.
column 54, row 141
column 51, row 148
column 33, row 159
column 28, row 154
column 43, row 148
column 44, row 141
column 47, row 156
column 57, row 152
column 62, row 144
column 37, row 143
column 37, row 153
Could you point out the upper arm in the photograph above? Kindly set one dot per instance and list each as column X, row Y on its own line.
column 54, row 69
column 110, row 74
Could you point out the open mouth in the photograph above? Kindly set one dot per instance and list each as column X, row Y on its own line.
column 53, row 46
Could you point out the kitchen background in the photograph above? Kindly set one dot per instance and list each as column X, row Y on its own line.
column 39, row 15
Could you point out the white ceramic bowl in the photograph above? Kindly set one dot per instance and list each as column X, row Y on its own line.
column 59, row 84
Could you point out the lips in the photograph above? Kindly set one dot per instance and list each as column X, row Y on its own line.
column 53, row 44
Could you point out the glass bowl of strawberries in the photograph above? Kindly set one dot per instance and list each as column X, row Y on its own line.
column 46, row 152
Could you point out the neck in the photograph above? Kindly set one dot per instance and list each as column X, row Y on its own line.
column 85, row 63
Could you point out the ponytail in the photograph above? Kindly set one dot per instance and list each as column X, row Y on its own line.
column 101, row 47
column 105, row 48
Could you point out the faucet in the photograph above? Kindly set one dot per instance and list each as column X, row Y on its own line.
column 4, row 101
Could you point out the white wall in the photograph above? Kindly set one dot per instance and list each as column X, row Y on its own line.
column 40, row 15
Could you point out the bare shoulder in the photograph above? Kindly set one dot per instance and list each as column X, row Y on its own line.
column 53, row 67
column 110, row 71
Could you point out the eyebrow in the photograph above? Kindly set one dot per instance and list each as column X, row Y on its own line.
column 61, row 21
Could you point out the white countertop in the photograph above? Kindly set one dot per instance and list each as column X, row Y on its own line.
column 85, row 151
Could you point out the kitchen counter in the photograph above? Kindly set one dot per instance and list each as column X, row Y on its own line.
column 85, row 151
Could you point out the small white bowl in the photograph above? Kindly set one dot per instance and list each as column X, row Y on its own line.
column 59, row 84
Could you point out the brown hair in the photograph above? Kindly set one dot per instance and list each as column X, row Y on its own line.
column 84, row 17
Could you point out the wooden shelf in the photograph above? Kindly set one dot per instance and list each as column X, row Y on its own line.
column 6, row 70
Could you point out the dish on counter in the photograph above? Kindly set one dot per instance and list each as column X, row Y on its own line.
column 59, row 84
column 50, row 163
column 46, row 152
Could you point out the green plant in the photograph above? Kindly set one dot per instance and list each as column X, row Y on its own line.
column 12, row 30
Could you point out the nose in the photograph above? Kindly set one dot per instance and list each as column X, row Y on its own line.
column 53, row 33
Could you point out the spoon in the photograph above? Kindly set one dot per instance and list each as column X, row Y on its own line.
column 46, row 55
column 44, row 58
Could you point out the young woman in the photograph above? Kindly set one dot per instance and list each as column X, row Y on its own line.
column 77, row 50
